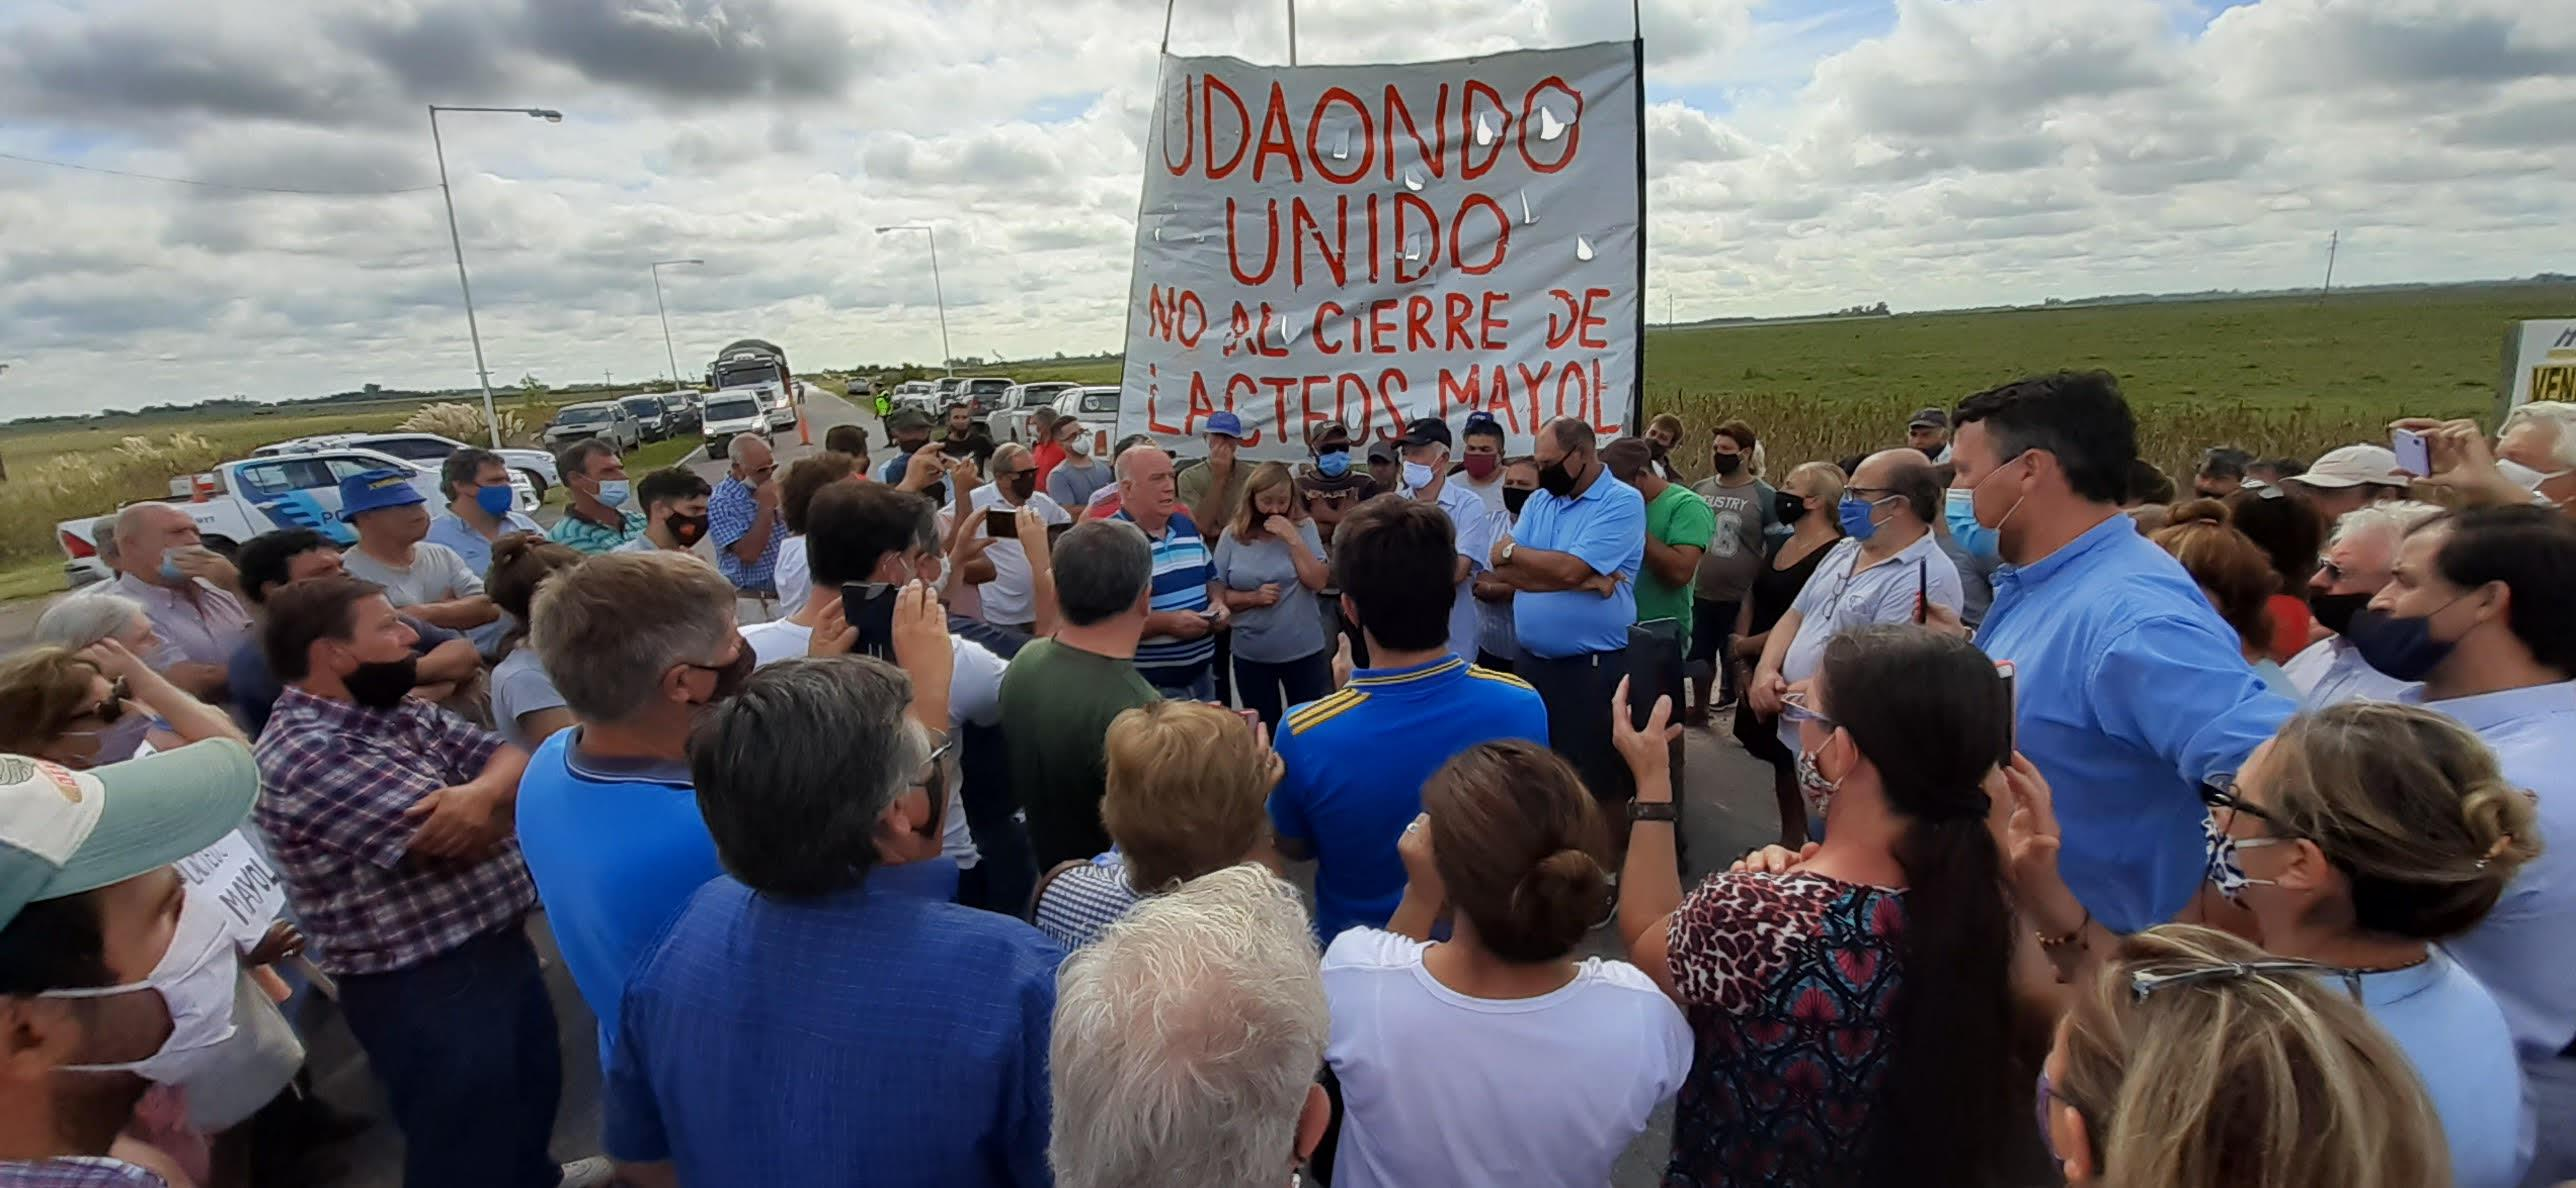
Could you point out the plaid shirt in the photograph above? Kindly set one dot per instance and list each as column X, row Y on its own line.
column 730, row 512
column 77, row 1171
column 337, row 778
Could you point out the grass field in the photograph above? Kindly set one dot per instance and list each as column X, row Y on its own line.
column 2286, row 376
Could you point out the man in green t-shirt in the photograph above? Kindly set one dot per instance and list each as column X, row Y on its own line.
column 1060, row 694
column 1678, row 528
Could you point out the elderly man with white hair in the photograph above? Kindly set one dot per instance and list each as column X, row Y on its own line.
column 2357, row 564
column 2537, row 443
column 187, row 590
column 1009, row 598
column 1187, row 1039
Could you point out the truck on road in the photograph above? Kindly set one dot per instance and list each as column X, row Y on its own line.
column 752, row 364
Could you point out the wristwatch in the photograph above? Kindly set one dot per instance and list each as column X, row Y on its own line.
column 1660, row 810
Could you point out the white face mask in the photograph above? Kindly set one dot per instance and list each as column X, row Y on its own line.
column 196, row 977
column 1079, row 447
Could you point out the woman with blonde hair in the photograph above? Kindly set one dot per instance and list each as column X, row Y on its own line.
column 2234, row 575
column 2195, row 1060
column 92, row 707
column 1268, row 566
column 1496, row 1056
column 1188, row 791
column 2359, row 838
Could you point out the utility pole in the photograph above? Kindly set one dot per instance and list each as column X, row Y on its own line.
column 2333, row 242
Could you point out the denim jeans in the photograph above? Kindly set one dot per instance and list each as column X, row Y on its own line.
column 1269, row 689
column 466, row 1046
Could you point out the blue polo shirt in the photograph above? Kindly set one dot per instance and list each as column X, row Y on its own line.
column 2130, row 695
column 616, row 847
column 1605, row 525
column 1183, row 567
column 854, row 1038
column 450, row 529
column 1356, row 763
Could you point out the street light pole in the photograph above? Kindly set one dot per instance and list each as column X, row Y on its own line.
column 947, row 357
column 665, row 311
column 491, row 417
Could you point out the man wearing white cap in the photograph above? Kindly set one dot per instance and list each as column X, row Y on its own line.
column 2352, row 477
column 113, row 977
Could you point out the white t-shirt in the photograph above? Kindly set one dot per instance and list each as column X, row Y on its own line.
column 436, row 574
column 794, row 576
column 974, row 695
column 1441, row 1089
column 1006, row 597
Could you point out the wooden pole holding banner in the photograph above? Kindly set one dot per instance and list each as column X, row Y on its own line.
column 1637, row 383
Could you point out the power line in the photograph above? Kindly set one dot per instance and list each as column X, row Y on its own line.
column 214, row 185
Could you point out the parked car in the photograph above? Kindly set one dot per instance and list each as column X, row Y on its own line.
column 536, row 468
column 605, row 420
column 1097, row 410
column 784, row 410
column 730, row 414
column 945, row 393
column 985, row 393
column 681, row 416
column 239, row 500
column 1010, row 422
column 920, row 394
column 653, row 420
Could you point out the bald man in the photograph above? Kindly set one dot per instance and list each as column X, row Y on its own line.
column 187, row 590
column 1887, row 569
column 1178, row 654
column 743, row 521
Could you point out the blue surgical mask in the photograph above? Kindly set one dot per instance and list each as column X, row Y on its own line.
column 1333, row 463
column 1416, row 476
column 1854, row 512
column 170, row 567
column 2400, row 648
column 496, row 502
column 615, row 492
column 1960, row 510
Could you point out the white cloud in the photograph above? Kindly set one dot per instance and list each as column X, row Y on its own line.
column 1804, row 154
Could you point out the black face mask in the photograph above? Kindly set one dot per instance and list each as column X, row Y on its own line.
column 1787, row 507
column 1932, row 452
column 1514, row 497
column 686, row 529
column 1022, row 486
column 1727, row 463
column 2334, row 611
column 1556, row 480
column 730, row 678
column 936, row 493
column 382, row 684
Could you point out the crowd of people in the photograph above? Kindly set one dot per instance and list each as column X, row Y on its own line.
column 937, row 820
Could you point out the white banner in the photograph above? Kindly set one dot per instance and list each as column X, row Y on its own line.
column 2540, row 362
column 1373, row 244
column 233, row 873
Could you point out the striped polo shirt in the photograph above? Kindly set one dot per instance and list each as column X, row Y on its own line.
column 1182, row 570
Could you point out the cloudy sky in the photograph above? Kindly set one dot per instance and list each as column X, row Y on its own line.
column 1803, row 154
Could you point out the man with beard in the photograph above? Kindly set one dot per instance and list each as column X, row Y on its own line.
column 391, row 821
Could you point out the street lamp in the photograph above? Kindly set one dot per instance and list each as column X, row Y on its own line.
column 947, row 366
column 667, row 352
column 491, row 417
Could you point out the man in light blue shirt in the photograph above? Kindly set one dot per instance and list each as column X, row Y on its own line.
column 2476, row 608
column 2130, row 692
column 480, row 508
column 1574, row 559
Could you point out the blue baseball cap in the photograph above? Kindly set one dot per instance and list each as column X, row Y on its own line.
column 1226, row 424
column 376, row 490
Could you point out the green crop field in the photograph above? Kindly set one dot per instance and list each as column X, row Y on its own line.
column 2279, row 376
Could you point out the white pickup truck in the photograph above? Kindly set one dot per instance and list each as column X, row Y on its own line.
column 239, row 500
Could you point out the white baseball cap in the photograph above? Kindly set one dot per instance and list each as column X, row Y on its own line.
column 63, row 832
column 2354, row 465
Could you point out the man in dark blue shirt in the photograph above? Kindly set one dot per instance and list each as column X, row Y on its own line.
column 795, row 1025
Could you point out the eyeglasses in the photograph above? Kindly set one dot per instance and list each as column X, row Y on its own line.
column 934, row 770
column 2144, row 984
column 2039, row 1105
column 1795, row 708
column 112, row 708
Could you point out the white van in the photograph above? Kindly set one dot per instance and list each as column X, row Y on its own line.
column 731, row 413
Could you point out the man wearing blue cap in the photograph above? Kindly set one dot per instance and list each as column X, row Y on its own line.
column 114, row 976
column 1212, row 488
column 429, row 582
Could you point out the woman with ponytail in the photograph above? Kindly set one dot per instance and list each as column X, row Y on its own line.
column 1493, row 1057
column 2358, row 838
column 1854, row 1021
